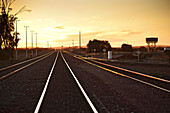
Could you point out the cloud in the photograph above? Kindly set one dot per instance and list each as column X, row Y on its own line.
column 130, row 32
column 113, row 36
column 55, row 28
column 58, row 27
column 39, row 20
column 105, row 34
column 25, row 21
column 86, row 34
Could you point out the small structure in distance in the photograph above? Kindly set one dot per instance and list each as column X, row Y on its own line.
column 151, row 41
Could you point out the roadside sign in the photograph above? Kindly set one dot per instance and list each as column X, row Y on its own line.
column 138, row 52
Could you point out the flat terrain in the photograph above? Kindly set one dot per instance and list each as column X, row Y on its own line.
column 21, row 57
column 159, row 65
column 117, row 93
column 157, row 70
column 108, row 92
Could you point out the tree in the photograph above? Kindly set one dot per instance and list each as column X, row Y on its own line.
column 7, row 24
column 99, row 45
column 142, row 48
column 8, row 39
column 126, row 47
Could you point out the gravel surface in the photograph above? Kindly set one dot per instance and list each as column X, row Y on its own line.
column 108, row 92
column 20, row 92
column 158, row 70
column 113, row 93
column 63, row 94
column 21, row 57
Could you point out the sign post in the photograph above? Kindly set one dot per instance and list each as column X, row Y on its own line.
column 94, row 52
column 104, row 50
column 138, row 52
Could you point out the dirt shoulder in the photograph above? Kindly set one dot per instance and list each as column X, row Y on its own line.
column 115, row 93
column 21, row 57
column 157, row 70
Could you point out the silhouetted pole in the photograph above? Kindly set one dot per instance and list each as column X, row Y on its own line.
column 79, row 39
column 73, row 43
column 104, row 50
column 47, row 44
column 94, row 52
column 138, row 52
column 32, row 41
column 36, row 43
column 16, row 40
column 26, row 41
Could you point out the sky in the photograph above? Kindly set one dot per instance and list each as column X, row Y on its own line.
column 117, row 21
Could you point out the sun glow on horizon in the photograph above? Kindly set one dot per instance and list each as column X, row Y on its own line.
column 61, row 37
column 116, row 21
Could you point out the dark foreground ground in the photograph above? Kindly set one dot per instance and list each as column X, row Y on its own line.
column 157, row 70
column 22, row 56
column 119, row 94
column 108, row 92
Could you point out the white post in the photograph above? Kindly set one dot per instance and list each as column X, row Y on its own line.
column 109, row 54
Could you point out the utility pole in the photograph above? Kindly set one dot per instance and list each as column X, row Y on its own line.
column 16, row 40
column 73, row 43
column 32, row 41
column 36, row 43
column 79, row 39
column 26, row 41
column 47, row 44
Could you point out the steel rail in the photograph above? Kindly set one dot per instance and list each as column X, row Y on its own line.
column 17, row 70
column 80, row 86
column 145, row 75
column 117, row 73
column 45, row 87
column 2, row 69
column 127, row 70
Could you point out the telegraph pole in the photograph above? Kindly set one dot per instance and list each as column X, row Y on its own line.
column 26, row 41
column 36, row 43
column 47, row 44
column 79, row 39
column 32, row 41
column 16, row 39
column 73, row 43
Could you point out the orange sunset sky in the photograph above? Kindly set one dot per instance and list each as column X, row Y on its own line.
column 118, row 21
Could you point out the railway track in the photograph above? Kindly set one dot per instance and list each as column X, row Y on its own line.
column 148, row 80
column 76, row 97
column 12, row 69
column 59, row 90
column 61, row 59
